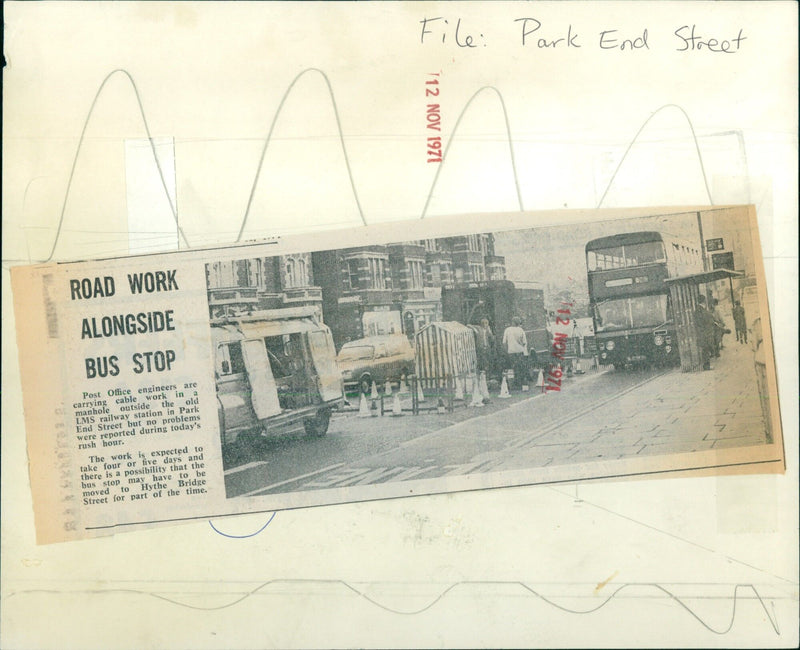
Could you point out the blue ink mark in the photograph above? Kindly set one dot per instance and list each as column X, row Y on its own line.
column 216, row 530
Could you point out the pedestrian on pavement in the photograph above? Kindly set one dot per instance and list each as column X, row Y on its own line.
column 516, row 346
column 740, row 322
column 719, row 327
column 704, row 326
column 485, row 342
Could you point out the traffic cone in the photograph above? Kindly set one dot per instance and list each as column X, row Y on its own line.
column 420, row 394
column 374, row 393
column 484, row 388
column 363, row 407
column 387, row 387
column 397, row 408
column 459, row 389
column 477, row 398
column 504, row 394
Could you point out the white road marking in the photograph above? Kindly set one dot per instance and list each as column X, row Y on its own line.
column 242, row 468
column 291, row 480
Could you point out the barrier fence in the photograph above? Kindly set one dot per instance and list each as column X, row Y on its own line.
column 443, row 352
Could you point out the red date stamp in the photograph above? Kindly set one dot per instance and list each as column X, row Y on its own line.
column 433, row 119
column 559, row 348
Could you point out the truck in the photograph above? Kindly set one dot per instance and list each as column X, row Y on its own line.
column 499, row 301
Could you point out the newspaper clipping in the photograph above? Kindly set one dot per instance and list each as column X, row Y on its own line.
column 488, row 351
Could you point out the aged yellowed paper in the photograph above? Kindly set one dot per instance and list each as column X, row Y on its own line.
column 246, row 379
column 140, row 127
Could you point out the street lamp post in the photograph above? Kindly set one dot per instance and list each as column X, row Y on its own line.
column 702, row 242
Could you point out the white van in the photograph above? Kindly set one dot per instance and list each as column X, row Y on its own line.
column 274, row 369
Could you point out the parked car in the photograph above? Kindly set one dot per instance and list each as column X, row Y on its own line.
column 375, row 358
column 274, row 369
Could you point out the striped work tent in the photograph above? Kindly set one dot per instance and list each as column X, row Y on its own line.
column 444, row 351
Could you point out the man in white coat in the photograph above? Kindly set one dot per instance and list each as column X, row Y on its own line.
column 516, row 346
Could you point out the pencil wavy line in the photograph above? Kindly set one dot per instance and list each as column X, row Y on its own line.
column 80, row 145
column 172, row 207
column 453, row 135
column 328, row 85
column 718, row 631
column 636, row 137
column 269, row 138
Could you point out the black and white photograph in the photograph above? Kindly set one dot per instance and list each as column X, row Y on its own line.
column 441, row 359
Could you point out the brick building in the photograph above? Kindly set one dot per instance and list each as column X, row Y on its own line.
column 357, row 292
column 240, row 286
column 372, row 290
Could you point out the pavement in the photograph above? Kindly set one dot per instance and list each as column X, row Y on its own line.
column 671, row 413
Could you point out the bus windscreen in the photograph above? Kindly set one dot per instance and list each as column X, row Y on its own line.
column 628, row 313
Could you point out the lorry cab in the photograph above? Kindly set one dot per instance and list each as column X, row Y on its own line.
column 275, row 370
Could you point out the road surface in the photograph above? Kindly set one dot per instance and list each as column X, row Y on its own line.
column 604, row 415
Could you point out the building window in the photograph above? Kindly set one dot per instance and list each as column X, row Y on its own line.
column 414, row 271
column 436, row 275
column 473, row 243
column 238, row 273
column 430, row 245
column 296, row 272
column 226, row 274
column 256, row 273
column 289, row 274
column 495, row 272
column 302, row 271
column 242, row 278
column 351, row 268
column 377, row 273
column 447, row 272
column 216, row 276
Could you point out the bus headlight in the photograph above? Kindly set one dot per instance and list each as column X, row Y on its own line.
column 609, row 345
column 658, row 340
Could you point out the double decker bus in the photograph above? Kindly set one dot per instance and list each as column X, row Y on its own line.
column 629, row 300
